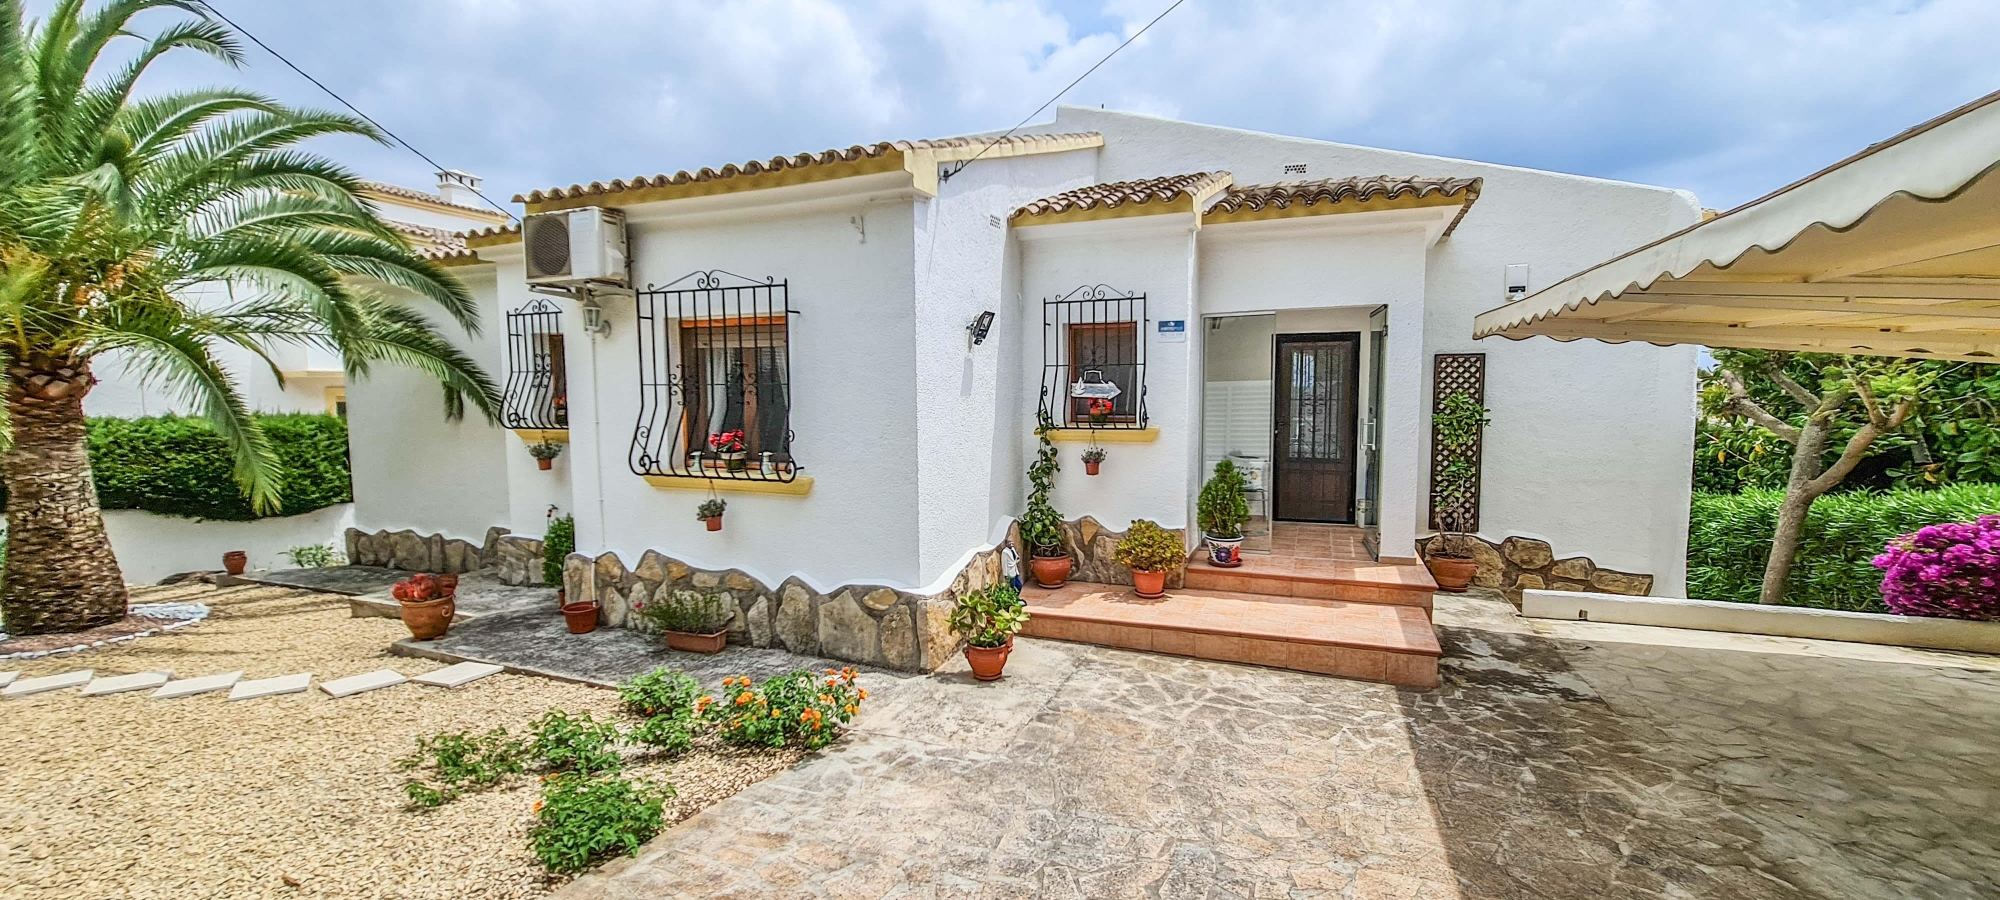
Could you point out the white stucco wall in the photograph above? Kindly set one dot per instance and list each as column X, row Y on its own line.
column 1152, row 255
column 530, row 491
column 1590, row 445
column 150, row 547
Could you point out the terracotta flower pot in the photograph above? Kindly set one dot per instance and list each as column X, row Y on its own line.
column 1049, row 571
column 987, row 662
column 581, row 617
column 714, row 524
column 545, row 464
column 1452, row 573
column 698, row 643
column 428, row 619
column 235, row 561
column 562, row 597
column 1090, row 468
column 1150, row 585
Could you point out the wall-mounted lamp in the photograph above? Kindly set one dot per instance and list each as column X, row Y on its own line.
column 593, row 319
column 977, row 329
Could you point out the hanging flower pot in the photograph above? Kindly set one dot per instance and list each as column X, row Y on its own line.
column 710, row 512
column 1092, row 458
column 545, row 453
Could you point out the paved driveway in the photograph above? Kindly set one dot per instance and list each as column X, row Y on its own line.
column 1569, row 760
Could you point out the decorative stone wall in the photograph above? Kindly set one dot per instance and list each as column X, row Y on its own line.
column 514, row 560
column 870, row 624
column 1517, row 564
column 1090, row 546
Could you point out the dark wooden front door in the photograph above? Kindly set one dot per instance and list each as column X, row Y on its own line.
column 1318, row 383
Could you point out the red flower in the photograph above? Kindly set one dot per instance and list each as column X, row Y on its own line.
column 727, row 441
column 1100, row 407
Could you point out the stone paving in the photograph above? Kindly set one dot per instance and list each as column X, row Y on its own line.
column 1558, row 760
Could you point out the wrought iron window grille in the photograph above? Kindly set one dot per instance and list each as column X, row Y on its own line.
column 537, row 394
column 715, row 385
column 1094, row 358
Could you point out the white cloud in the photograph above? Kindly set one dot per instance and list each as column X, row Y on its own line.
column 1723, row 97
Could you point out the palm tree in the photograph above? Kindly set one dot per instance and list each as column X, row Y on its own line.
column 112, row 207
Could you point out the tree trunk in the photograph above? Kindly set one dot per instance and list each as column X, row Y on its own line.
column 60, row 573
column 1807, row 459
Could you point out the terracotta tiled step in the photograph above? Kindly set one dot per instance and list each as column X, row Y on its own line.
column 1319, row 579
column 1366, row 641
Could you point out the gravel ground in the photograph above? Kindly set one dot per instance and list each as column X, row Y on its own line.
column 293, row 796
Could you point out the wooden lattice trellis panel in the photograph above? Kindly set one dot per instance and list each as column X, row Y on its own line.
column 1450, row 374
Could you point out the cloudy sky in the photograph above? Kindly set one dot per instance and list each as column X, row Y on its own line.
column 1727, row 98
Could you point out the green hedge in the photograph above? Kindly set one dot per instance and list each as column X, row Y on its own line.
column 1729, row 538
column 177, row 466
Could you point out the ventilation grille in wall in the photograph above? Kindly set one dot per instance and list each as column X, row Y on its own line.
column 1450, row 374
column 715, row 379
column 1295, row 168
column 537, row 384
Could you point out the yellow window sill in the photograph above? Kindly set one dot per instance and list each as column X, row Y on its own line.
column 540, row 435
column 1106, row 435
column 797, row 487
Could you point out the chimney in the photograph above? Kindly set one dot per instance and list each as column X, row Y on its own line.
column 458, row 187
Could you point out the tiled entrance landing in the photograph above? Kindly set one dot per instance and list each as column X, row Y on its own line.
column 1324, row 562
column 1366, row 641
column 1308, row 540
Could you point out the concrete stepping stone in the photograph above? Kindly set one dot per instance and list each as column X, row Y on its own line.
column 271, row 687
column 27, row 686
column 357, row 684
column 458, row 674
column 118, row 684
column 188, row 687
column 7, row 678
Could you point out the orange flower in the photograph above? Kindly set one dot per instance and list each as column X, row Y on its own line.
column 742, row 698
column 824, row 698
column 538, row 806
column 862, row 693
column 775, row 714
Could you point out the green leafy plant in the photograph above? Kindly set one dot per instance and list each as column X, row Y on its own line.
column 180, row 466
column 1147, row 547
column 1224, row 504
column 1729, row 538
column 1457, row 424
column 558, row 542
column 666, row 734
column 585, row 818
column 711, row 508
column 989, row 616
column 798, row 709
column 315, row 556
column 1041, row 525
column 566, row 743
column 1093, row 455
column 454, row 761
column 545, row 449
column 688, row 612
column 662, row 692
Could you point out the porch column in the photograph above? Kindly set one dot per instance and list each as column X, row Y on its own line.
column 1403, row 440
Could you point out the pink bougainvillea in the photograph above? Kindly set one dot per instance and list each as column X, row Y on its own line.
column 1950, row 570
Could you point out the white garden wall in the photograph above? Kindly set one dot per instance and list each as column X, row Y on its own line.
column 150, row 547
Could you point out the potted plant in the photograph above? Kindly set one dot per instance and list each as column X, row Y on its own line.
column 710, row 512
column 545, row 453
column 729, row 445
column 1457, row 423
column 1100, row 411
column 1041, row 525
column 235, row 561
column 1092, row 458
column 428, row 603
column 1221, row 510
column 988, row 619
column 691, row 620
column 1152, row 552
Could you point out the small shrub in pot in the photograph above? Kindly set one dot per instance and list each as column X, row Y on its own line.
column 988, row 619
column 1152, row 552
column 691, row 620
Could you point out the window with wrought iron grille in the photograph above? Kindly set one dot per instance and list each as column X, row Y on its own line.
column 1094, row 358
column 715, row 379
column 537, row 384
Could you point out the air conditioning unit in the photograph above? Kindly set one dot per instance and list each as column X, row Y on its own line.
column 575, row 246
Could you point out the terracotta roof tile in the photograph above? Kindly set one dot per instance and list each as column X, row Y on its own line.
column 1245, row 200
column 462, row 247
column 1115, row 194
column 426, row 197
column 946, row 149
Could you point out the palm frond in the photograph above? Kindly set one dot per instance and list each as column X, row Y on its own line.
column 403, row 336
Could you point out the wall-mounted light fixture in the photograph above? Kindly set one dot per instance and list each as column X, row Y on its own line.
column 593, row 319
column 977, row 329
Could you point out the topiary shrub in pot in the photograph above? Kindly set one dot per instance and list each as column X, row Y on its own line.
column 1221, row 510
column 1951, row 571
column 693, row 621
column 1152, row 552
column 988, row 619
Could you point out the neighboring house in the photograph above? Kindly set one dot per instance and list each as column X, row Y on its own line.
column 1282, row 300
column 314, row 379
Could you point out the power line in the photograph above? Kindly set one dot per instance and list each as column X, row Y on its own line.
column 1079, row 80
column 210, row 6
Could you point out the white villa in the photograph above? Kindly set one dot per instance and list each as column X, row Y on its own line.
column 885, row 325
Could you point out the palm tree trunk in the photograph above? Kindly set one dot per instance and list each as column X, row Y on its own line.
column 60, row 573
column 1807, row 462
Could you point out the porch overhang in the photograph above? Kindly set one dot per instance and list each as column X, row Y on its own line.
column 1894, row 251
